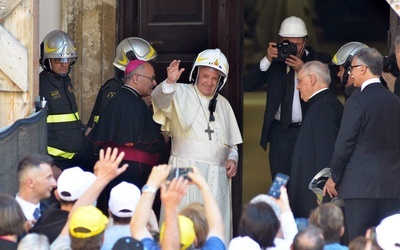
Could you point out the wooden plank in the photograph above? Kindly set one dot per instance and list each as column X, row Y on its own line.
column 33, row 48
column 6, row 84
column 13, row 59
column 22, row 25
column 13, row 106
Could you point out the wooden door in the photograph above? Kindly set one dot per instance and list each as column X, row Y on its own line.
column 180, row 29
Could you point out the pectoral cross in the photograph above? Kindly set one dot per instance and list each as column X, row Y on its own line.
column 209, row 131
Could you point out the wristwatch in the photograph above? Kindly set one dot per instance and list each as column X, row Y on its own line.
column 147, row 188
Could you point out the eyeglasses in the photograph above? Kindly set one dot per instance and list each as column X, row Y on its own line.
column 151, row 78
column 298, row 78
column 351, row 67
column 61, row 60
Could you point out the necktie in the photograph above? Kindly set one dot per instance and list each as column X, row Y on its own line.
column 287, row 101
column 36, row 214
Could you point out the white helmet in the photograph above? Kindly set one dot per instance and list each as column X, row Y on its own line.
column 317, row 184
column 212, row 58
column 293, row 27
column 132, row 48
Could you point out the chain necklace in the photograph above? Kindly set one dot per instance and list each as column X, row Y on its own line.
column 209, row 131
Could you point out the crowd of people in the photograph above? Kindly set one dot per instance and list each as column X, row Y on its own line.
column 104, row 185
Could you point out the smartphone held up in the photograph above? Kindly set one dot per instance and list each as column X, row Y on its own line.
column 177, row 172
column 279, row 181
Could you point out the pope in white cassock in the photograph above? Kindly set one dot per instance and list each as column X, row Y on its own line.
column 202, row 126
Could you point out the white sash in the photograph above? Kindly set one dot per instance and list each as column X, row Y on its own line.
column 199, row 151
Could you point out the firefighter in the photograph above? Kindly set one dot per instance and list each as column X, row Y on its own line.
column 127, row 50
column 67, row 143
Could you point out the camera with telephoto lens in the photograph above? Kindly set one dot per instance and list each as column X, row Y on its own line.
column 285, row 49
column 390, row 65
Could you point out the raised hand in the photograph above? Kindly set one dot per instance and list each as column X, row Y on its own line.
column 272, row 51
column 172, row 194
column 107, row 166
column 173, row 71
column 294, row 62
column 158, row 175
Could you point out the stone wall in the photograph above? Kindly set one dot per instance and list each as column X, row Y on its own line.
column 92, row 25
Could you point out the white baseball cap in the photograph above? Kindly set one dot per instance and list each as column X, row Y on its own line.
column 240, row 243
column 123, row 199
column 388, row 233
column 73, row 183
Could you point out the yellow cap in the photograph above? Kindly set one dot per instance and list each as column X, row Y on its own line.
column 186, row 230
column 87, row 222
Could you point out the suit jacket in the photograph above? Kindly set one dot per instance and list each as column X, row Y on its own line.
column 313, row 150
column 275, row 78
column 397, row 86
column 366, row 160
column 51, row 222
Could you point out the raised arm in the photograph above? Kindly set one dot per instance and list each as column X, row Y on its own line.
column 141, row 215
column 213, row 214
column 106, row 169
column 162, row 95
column 288, row 223
column 171, row 197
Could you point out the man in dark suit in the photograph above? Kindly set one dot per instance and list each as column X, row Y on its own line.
column 284, row 110
column 365, row 166
column 314, row 146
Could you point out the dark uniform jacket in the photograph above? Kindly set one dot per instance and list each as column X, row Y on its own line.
column 107, row 91
column 64, row 126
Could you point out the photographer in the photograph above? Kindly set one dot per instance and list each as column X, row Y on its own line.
column 390, row 69
column 284, row 110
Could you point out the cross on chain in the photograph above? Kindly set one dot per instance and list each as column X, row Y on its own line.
column 209, row 131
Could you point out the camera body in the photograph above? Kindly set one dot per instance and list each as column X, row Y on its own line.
column 285, row 49
column 390, row 65
column 177, row 172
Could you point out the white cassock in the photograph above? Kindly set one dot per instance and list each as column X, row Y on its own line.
column 177, row 108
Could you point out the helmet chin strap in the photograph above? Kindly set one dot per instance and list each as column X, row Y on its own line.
column 213, row 102
column 345, row 79
column 302, row 48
